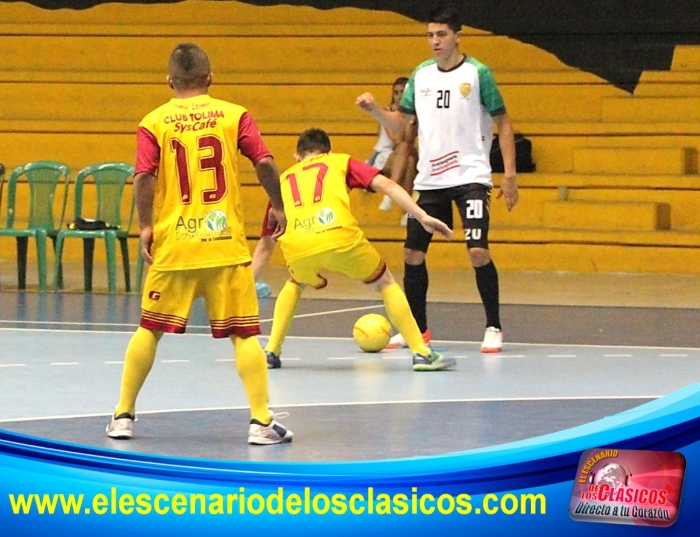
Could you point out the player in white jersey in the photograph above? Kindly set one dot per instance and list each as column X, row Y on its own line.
column 456, row 102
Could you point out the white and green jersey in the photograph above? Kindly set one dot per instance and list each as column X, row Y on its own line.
column 454, row 110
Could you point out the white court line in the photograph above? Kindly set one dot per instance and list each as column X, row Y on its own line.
column 617, row 356
column 62, row 323
column 12, row 365
column 317, row 314
column 341, row 358
column 115, row 363
column 561, row 356
column 353, row 403
column 64, row 363
column 510, row 344
column 673, row 355
column 133, row 326
column 174, row 361
column 225, row 360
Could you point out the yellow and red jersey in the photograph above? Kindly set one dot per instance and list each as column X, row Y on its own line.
column 191, row 146
column 317, row 205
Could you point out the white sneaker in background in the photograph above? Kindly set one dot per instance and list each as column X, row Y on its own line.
column 398, row 342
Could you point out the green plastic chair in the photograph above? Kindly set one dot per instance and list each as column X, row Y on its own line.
column 43, row 217
column 2, row 180
column 109, row 179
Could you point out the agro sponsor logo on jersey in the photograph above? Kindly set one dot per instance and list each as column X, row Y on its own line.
column 213, row 226
column 426, row 92
column 322, row 221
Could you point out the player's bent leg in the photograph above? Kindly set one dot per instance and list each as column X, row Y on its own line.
column 487, row 284
column 252, row 368
column 285, row 308
column 138, row 361
column 416, row 289
column 264, row 429
column 401, row 317
column 424, row 358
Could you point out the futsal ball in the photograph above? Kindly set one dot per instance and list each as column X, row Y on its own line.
column 372, row 332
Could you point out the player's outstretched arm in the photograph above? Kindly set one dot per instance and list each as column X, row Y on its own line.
column 392, row 120
column 385, row 185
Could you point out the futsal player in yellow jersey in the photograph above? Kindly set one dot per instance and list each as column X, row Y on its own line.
column 188, row 200
column 322, row 234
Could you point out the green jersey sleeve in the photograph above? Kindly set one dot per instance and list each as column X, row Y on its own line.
column 490, row 96
column 407, row 105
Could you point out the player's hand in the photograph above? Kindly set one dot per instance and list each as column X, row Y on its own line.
column 509, row 191
column 367, row 103
column 433, row 225
column 277, row 220
column 146, row 243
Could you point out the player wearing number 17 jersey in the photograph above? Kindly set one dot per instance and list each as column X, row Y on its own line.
column 323, row 235
column 189, row 205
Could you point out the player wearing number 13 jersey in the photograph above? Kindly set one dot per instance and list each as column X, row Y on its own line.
column 323, row 235
column 192, row 145
column 188, row 199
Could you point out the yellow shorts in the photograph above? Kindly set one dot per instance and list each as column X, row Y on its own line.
column 361, row 261
column 228, row 292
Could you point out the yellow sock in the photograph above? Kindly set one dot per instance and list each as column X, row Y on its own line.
column 138, row 361
column 252, row 368
column 401, row 317
column 285, row 308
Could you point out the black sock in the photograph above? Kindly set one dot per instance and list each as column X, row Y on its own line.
column 487, row 283
column 415, row 285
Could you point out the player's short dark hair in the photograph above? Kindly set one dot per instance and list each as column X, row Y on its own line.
column 313, row 141
column 401, row 81
column 189, row 67
column 446, row 14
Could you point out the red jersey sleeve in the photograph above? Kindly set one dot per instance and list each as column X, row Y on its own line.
column 250, row 142
column 360, row 175
column 147, row 152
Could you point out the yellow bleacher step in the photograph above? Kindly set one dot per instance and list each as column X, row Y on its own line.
column 648, row 160
column 609, row 181
column 669, row 84
column 607, row 215
column 589, row 251
column 276, row 105
column 365, row 207
column 686, row 58
column 651, row 109
column 115, row 102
